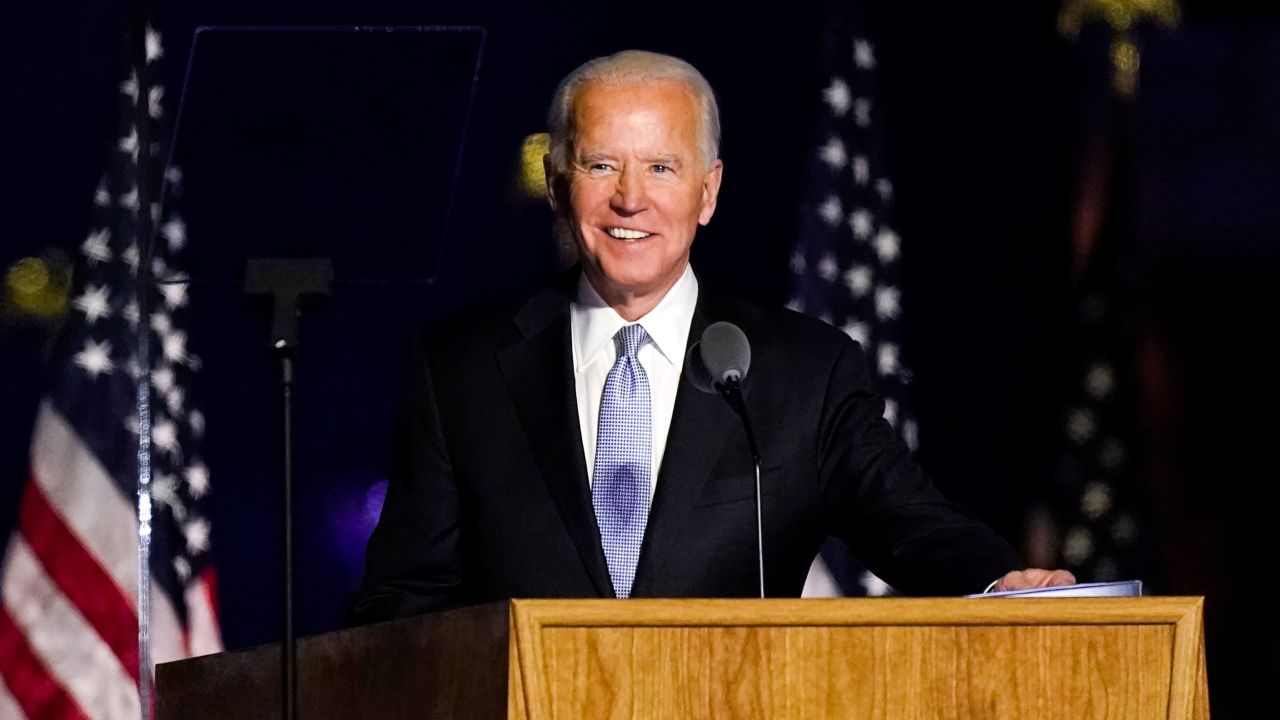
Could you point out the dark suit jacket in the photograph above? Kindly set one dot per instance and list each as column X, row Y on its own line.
column 489, row 499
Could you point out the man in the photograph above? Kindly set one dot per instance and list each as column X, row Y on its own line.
column 558, row 451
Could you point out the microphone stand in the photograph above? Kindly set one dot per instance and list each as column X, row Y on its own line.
column 285, row 281
column 731, row 391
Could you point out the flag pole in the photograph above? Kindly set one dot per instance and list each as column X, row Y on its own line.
column 137, row 51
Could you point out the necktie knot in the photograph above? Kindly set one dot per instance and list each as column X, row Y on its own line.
column 630, row 338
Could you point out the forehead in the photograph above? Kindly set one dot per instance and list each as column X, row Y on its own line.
column 663, row 111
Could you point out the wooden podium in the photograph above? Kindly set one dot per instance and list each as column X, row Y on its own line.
column 1115, row 658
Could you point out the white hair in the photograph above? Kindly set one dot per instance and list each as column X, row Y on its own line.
column 632, row 67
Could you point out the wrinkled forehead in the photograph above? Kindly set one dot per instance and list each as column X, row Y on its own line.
column 667, row 107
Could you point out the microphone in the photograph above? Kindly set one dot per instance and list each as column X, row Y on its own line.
column 718, row 364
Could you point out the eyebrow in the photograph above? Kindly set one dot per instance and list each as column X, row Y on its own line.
column 588, row 158
column 663, row 159
column 672, row 160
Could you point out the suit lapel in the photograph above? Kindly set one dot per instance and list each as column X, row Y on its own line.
column 538, row 372
column 698, row 431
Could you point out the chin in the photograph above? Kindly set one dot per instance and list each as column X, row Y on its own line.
column 630, row 279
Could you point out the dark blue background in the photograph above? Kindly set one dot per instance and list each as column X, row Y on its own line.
column 984, row 105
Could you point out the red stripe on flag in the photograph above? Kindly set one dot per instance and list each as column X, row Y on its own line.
column 80, row 576
column 29, row 681
column 207, row 587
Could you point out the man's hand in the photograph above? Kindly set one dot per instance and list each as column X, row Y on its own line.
column 1033, row 578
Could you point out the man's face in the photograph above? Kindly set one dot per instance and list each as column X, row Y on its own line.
column 638, row 186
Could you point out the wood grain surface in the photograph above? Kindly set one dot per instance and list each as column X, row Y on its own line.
column 874, row 658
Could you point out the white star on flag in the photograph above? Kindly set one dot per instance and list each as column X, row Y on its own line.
column 1100, row 381
column 862, row 112
column 798, row 264
column 886, row 244
column 155, row 98
column 95, row 246
column 174, row 346
column 154, row 49
column 1080, row 425
column 94, row 302
column 863, row 54
column 830, row 210
column 885, row 190
column 175, row 294
column 887, row 359
column 828, row 268
column 101, row 197
column 130, row 257
column 173, row 400
column 197, row 478
column 887, row 302
column 1096, row 500
column 858, row 279
column 161, row 323
column 131, row 313
column 162, row 378
column 129, row 143
column 164, row 491
column 175, row 234
column 833, row 154
column 164, row 435
column 860, row 221
column 861, row 170
column 196, row 419
column 837, row 97
column 95, row 358
column 130, row 87
column 197, row 535
column 182, row 567
column 1078, row 546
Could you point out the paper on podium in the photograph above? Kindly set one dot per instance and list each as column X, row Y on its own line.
column 1122, row 588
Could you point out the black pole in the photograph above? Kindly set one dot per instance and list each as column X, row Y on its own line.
column 731, row 390
column 288, row 643
column 285, row 281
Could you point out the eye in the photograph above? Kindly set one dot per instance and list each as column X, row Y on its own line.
column 661, row 169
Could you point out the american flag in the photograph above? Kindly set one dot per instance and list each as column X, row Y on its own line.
column 846, row 263
column 1096, row 501
column 70, row 640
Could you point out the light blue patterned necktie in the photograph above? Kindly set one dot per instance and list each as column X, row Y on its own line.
column 620, row 484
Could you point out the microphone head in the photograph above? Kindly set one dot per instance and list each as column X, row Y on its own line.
column 725, row 352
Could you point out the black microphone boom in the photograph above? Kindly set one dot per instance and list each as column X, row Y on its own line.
column 719, row 364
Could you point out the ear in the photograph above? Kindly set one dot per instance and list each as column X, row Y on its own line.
column 552, row 179
column 710, row 192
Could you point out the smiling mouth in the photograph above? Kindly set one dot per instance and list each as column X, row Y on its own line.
column 618, row 233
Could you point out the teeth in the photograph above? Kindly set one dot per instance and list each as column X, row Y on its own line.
column 625, row 234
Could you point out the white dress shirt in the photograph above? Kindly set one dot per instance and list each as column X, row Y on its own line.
column 593, row 324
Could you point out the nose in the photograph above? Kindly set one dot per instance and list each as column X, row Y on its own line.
column 629, row 196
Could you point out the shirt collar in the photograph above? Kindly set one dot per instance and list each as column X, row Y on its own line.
column 594, row 323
